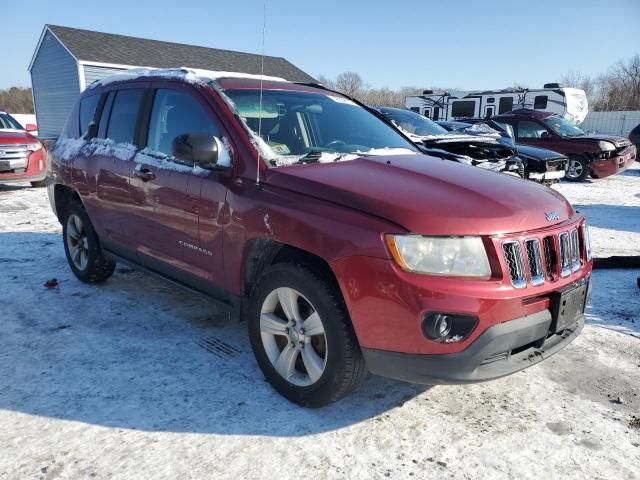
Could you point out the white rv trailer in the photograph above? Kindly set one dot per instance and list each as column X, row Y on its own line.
column 571, row 103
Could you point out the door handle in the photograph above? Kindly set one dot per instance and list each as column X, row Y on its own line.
column 144, row 174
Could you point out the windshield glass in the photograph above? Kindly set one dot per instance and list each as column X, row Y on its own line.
column 414, row 123
column 562, row 127
column 308, row 127
column 8, row 122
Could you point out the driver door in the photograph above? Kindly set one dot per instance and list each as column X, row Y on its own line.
column 166, row 190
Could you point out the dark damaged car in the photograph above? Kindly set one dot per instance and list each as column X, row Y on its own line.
column 540, row 165
column 482, row 148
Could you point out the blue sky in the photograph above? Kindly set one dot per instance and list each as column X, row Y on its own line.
column 463, row 44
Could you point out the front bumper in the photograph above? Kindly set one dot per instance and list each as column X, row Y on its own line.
column 501, row 350
column 613, row 165
column 29, row 169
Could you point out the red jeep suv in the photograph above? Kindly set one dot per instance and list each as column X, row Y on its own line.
column 22, row 157
column 306, row 214
column 598, row 155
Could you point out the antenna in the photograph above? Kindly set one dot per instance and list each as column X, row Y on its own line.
column 264, row 27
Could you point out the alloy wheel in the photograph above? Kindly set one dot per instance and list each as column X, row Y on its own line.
column 77, row 242
column 575, row 169
column 293, row 336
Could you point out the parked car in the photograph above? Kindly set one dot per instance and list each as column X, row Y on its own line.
column 540, row 165
column 598, row 155
column 22, row 157
column 323, row 227
column 634, row 137
column 484, row 151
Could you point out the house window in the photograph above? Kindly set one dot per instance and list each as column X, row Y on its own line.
column 463, row 108
column 505, row 105
column 540, row 102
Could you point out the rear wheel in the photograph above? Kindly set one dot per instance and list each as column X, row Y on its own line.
column 82, row 247
column 302, row 337
column 577, row 169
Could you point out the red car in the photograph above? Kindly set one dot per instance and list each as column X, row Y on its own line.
column 322, row 226
column 598, row 155
column 22, row 156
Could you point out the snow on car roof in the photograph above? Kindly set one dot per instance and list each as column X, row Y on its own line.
column 193, row 75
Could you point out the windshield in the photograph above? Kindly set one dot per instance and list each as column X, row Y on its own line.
column 414, row 123
column 8, row 122
column 304, row 127
column 562, row 127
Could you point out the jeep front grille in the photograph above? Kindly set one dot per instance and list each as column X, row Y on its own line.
column 536, row 260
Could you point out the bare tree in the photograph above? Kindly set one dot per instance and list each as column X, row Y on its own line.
column 16, row 100
column 350, row 83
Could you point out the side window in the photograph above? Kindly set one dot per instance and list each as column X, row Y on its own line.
column 463, row 108
column 528, row 129
column 415, row 109
column 175, row 113
column 505, row 104
column 88, row 107
column 124, row 115
column 540, row 102
column 104, row 116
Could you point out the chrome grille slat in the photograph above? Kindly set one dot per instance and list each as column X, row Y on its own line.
column 534, row 261
column 575, row 251
column 565, row 252
column 513, row 257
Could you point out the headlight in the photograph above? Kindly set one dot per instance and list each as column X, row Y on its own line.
column 606, row 146
column 587, row 241
column 455, row 256
column 34, row 147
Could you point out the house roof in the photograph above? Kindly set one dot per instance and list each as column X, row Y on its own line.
column 99, row 47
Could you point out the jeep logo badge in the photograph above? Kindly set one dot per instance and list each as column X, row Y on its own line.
column 551, row 216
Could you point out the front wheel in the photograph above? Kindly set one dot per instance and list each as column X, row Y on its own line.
column 82, row 247
column 302, row 337
column 577, row 170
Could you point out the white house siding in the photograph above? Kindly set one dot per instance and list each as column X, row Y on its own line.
column 54, row 79
column 611, row 123
column 95, row 72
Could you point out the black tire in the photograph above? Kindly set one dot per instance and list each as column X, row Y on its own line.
column 96, row 268
column 345, row 367
column 39, row 184
column 577, row 169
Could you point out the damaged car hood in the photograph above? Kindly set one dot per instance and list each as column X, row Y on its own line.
column 427, row 195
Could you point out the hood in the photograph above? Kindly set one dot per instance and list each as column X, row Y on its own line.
column 427, row 195
column 615, row 139
column 15, row 137
column 538, row 153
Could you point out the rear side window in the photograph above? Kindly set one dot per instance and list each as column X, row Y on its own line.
column 540, row 102
column 88, row 107
column 175, row 113
column 505, row 105
column 124, row 115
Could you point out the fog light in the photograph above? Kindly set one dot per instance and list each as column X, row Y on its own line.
column 447, row 328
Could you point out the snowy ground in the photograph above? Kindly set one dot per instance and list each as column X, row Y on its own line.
column 134, row 379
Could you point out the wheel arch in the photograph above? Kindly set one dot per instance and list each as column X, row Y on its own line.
column 63, row 195
column 261, row 253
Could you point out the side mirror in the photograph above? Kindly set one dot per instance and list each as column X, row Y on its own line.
column 30, row 127
column 201, row 149
column 545, row 134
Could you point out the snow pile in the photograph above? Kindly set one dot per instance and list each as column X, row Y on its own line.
column 163, row 162
column 331, row 157
column 66, row 148
column 191, row 75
